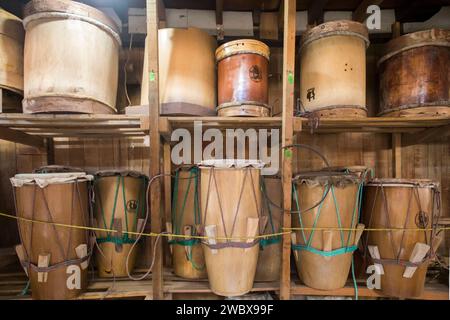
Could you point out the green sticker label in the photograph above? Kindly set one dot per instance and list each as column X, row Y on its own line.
column 290, row 78
column 288, row 153
column 152, row 76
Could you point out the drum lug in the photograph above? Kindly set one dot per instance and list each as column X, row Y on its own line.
column 43, row 262
column 252, row 231
column 418, row 254
column 211, row 231
column 118, row 227
column 81, row 252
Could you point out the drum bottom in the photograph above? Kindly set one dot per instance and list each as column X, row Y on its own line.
column 189, row 269
column 186, row 109
column 431, row 111
column 111, row 263
column 269, row 263
column 59, row 104
column 340, row 112
column 243, row 110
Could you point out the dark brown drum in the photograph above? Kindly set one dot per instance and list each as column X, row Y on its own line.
column 243, row 78
column 54, row 257
column 415, row 75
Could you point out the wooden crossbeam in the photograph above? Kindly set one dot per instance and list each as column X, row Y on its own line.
column 21, row 137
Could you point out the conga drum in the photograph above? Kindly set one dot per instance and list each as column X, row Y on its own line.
column 415, row 75
column 333, row 69
column 269, row 261
column 402, row 256
column 187, row 253
column 55, row 257
column 243, row 88
column 71, row 58
column 327, row 206
column 187, row 75
column 120, row 204
column 231, row 208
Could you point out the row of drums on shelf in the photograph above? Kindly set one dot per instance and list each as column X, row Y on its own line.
column 226, row 225
column 71, row 57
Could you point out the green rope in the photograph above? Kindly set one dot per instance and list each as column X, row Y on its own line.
column 355, row 285
column 332, row 253
column 264, row 242
column 25, row 290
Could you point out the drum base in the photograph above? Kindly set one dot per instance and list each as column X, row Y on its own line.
column 243, row 110
column 58, row 104
column 340, row 112
column 269, row 263
column 393, row 283
column 184, row 268
column 186, row 109
column 110, row 260
column 432, row 111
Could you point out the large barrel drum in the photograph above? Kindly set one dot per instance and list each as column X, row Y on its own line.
column 333, row 69
column 120, row 204
column 323, row 246
column 406, row 211
column 187, row 253
column 415, row 75
column 269, row 261
column 243, row 85
column 231, row 208
column 54, row 257
column 71, row 58
column 11, row 52
column 187, row 77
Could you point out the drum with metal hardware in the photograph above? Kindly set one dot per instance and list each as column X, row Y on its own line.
column 120, row 205
column 243, row 88
column 415, row 75
column 401, row 256
column 333, row 69
column 55, row 252
column 327, row 207
column 187, row 253
column 231, row 208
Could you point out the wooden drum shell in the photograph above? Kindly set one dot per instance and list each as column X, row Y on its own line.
column 415, row 75
column 71, row 59
column 187, row 76
column 11, row 52
column 333, row 69
column 181, row 265
column 231, row 271
column 62, row 199
column 243, row 85
column 397, row 194
column 316, row 271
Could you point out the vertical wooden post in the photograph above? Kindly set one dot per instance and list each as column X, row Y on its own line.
column 396, row 28
column 287, row 139
column 155, row 144
column 167, row 197
column 50, row 151
column 397, row 155
column 1, row 100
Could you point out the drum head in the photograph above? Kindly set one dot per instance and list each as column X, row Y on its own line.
column 45, row 179
column 231, row 163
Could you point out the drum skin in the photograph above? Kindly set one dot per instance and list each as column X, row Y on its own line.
column 269, row 261
column 399, row 196
column 243, row 79
column 316, row 271
column 71, row 58
column 181, row 265
column 231, row 271
column 41, row 239
column 415, row 75
column 333, row 69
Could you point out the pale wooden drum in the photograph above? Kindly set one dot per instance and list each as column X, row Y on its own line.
column 333, row 69
column 71, row 58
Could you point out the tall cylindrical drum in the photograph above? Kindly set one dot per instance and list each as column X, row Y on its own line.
column 54, row 257
column 231, row 208
column 269, row 261
column 415, row 75
column 187, row 253
column 120, row 204
column 71, row 58
column 327, row 206
column 187, row 77
column 406, row 212
column 11, row 52
column 243, row 88
column 333, row 69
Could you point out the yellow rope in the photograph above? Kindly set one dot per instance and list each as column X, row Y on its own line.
column 152, row 234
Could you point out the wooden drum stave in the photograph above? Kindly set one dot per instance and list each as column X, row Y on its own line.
column 71, row 58
column 415, row 75
column 187, row 253
column 323, row 255
column 231, row 207
column 120, row 204
column 243, row 89
column 54, row 257
column 333, row 69
column 401, row 255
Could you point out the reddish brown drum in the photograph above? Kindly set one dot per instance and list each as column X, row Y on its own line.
column 243, row 78
column 415, row 75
